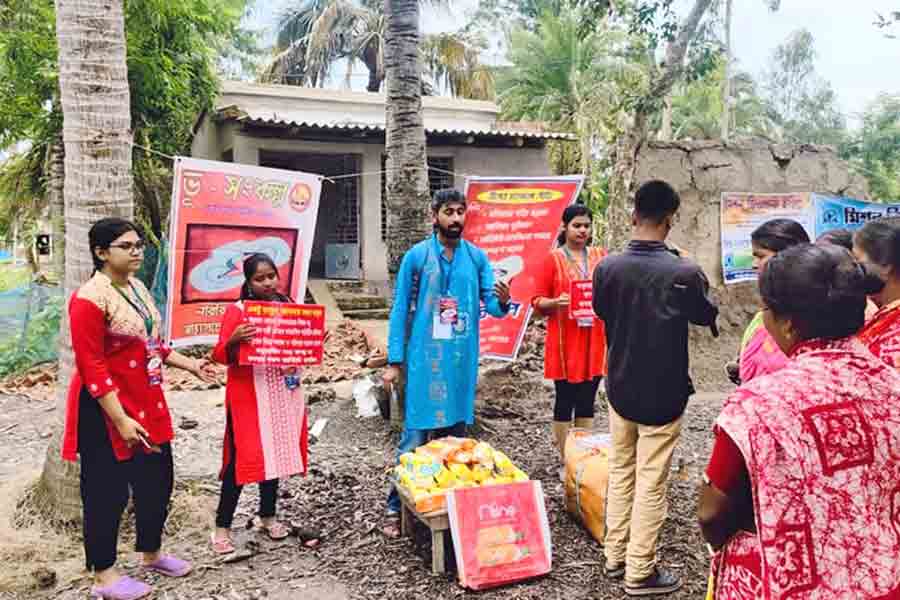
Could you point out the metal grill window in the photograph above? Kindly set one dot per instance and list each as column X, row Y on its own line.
column 346, row 231
column 437, row 180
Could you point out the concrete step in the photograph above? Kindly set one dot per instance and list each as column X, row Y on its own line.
column 339, row 288
column 368, row 314
column 317, row 292
column 349, row 302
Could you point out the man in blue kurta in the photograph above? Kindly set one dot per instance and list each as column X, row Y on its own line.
column 442, row 285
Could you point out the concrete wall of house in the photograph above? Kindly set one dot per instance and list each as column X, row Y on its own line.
column 700, row 172
column 205, row 143
column 210, row 142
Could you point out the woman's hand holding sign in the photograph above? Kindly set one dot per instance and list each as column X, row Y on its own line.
column 242, row 333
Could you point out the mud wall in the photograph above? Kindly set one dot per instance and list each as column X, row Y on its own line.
column 700, row 172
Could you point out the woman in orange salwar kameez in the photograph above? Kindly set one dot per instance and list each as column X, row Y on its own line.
column 877, row 245
column 266, row 424
column 575, row 348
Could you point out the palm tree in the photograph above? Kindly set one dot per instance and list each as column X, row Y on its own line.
column 407, row 177
column 313, row 36
column 95, row 99
column 454, row 62
column 727, row 82
column 698, row 107
column 618, row 213
column 579, row 79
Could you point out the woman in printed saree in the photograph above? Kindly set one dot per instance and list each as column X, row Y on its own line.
column 117, row 419
column 265, row 420
column 802, row 498
column 759, row 354
column 575, row 349
column 877, row 245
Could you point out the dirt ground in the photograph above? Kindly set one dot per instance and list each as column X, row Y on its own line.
column 343, row 497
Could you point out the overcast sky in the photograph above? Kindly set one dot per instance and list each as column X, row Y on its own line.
column 853, row 54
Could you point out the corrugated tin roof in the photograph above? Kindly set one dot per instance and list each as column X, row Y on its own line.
column 292, row 106
column 434, row 129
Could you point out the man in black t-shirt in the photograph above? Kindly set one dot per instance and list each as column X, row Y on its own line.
column 646, row 295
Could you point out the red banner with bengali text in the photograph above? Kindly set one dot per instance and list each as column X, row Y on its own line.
column 222, row 213
column 516, row 222
column 287, row 335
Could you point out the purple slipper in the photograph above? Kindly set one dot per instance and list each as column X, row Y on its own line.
column 170, row 566
column 125, row 588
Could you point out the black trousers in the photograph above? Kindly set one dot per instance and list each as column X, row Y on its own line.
column 231, row 491
column 107, row 483
column 575, row 399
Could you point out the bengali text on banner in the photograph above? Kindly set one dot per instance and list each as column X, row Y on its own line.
column 834, row 212
column 287, row 335
column 222, row 213
column 743, row 212
column 515, row 221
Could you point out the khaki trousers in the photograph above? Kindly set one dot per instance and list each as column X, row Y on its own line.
column 636, row 508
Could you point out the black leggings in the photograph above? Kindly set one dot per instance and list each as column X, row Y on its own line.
column 106, row 484
column 577, row 398
column 231, row 491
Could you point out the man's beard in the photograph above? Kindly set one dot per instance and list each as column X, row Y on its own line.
column 451, row 234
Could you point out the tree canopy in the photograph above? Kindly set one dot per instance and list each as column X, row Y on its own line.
column 173, row 49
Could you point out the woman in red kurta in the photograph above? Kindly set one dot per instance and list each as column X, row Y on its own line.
column 877, row 245
column 575, row 346
column 804, row 480
column 117, row 419
column 266, row 428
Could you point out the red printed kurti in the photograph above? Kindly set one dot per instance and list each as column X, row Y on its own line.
column 109, row 339
column 882, row 334
column 821, row 442
column 571, row 353
column 268, row 420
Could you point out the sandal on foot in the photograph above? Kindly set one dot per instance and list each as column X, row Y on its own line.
column 170, row 566
column 276, row 531
column 223, row 546
column 391, row 528
column 125, row 588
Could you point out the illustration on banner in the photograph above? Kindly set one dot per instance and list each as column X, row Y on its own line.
column 214, row 258
column 506, row 269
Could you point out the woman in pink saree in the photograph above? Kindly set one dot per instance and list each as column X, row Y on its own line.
column 759, row 353
column 802, row 499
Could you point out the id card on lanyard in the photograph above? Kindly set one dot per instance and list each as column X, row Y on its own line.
column 446, row 315
column 154, row 362
column 580, row 296
column 153, row 346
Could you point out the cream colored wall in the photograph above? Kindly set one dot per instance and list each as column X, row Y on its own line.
column 212, row 140
column 494, row 162
column 205, row 143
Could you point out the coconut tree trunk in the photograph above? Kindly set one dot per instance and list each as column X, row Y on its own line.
column 93, row 79
column 407, row 178
column 55, row 182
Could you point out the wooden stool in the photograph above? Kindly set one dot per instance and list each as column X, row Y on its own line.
column 437, row 522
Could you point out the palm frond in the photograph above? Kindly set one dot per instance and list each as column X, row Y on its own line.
column 23, row 191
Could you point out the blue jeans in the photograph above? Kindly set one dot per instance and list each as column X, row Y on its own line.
column 410, row 439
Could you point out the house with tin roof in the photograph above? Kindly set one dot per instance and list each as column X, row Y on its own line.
column 339, row 133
